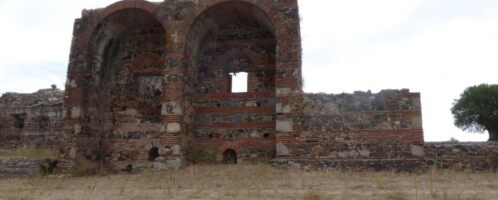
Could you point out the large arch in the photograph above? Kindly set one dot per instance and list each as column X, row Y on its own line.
column 123, row 92
column 283, row 16
column 230, row 37
column 84, row 30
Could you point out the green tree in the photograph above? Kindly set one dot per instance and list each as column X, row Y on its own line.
column 477, row 110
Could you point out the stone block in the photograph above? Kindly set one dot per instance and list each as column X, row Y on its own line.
column 174, row 128
column 282, row 150
column 77, row 129
column 75, row 113
column 172, row 108
column 283, row 91
column 176, row 150
column 417, row 150
column 163, row 163
column 364, row 152
column 284, row 126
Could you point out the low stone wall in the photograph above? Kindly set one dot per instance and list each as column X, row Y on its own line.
column 400, row 157
column 463, row 156
column 20, row 167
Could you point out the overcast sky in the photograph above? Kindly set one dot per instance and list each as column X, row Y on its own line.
column 436, row 47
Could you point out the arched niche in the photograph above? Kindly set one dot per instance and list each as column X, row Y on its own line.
column 230, row 37
column 126, row 68
column 227, row 38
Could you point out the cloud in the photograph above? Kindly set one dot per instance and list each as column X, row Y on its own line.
column 429, row 49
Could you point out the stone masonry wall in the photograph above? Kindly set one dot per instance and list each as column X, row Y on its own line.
column 20, row 167
column 360, row 130
column 147, row 80
column 31, row 120
column 454, row 156
column 464, row 156
column 331, row 124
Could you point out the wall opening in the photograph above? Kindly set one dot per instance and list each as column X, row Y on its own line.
column 231, row 56
column 230, row 156
column 238, row 82
column 153, row 153
column 125, row 84
column 19, row 120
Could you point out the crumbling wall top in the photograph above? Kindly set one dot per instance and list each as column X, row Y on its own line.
column 41, row 97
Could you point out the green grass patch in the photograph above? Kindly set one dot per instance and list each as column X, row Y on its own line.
column 28, row 153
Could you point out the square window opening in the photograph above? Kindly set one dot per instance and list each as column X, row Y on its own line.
column 238, row 82
column 19, row 120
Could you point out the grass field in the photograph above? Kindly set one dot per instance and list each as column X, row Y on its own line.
column 257, row 182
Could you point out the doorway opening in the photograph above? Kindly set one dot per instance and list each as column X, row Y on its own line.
column 153, row 153
column 230, row 156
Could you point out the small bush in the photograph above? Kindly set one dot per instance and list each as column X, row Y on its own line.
column 48, row 166
column 77, row 171
column 196, row 155
column 29, row 153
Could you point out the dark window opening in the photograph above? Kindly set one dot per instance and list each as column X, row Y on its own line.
column 48, row 166
column 238, row 82
column 153, row 153
column 19, row 120
column 157, row 93
column 129, row 168
column 266, row 135
column 230, row 156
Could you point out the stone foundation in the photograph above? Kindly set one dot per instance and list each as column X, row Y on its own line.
column 409, row 158
column 20, row 167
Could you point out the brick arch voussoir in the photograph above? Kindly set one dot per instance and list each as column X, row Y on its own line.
column 273, row 14
column 230, row 145
column 93, row 23
column 82, row 44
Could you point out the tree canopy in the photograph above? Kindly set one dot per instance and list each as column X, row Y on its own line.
column 477, row 110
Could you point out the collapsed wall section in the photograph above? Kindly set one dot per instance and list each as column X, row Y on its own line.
column 473, row 156
column 31, row 121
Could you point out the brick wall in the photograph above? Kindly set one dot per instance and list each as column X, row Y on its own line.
column 148, row 81
column 345, row 121
column 244, row 122
column 182, row 52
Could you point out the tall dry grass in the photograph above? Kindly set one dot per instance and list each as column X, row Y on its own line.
column 257, row 182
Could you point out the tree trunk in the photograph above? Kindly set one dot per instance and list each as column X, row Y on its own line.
column 493, row 135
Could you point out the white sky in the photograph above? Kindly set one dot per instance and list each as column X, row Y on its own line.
column 436, row 47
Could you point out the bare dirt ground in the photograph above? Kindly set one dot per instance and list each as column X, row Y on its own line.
column 257, row 182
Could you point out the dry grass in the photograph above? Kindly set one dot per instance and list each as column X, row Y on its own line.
column 257, row 182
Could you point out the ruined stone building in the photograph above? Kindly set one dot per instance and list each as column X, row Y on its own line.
column 31, row 120
column 149, row 82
